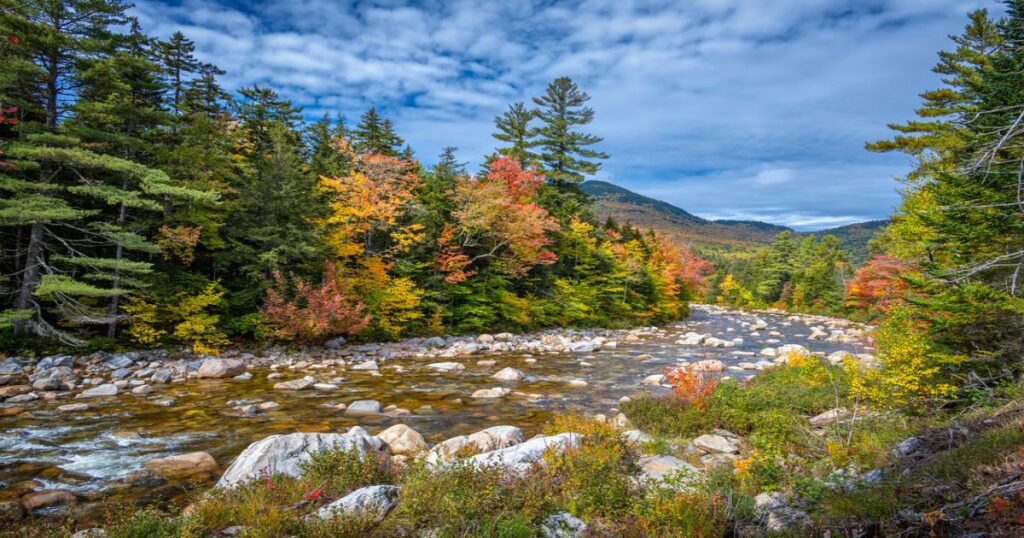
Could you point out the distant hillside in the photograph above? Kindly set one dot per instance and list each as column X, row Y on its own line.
column 644, row 212
column 855, row 237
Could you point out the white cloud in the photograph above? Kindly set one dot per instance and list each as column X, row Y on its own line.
column 725, row 107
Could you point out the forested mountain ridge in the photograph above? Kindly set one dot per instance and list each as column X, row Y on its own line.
column 624, row 205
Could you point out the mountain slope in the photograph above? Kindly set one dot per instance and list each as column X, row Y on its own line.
column 624, row 205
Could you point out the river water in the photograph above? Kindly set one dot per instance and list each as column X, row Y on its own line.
column 91, row 452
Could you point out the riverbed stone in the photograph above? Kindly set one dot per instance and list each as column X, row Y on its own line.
column 446, row 366
column 11, row 367
column 142, row 390
column 282, row 454
column 296, row 384
column 220, row 368
column 182, row 465
column 403, row 440
column 371, row 502
column 366, row 366
column 362, row 408
column 655, row 380
column 99, row 391
column 708, row 365
column 509, row 374
column 48, row 498
column 496, row 392
column 73, row 408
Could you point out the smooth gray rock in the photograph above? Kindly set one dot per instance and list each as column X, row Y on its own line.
column 716, row 443
column 370, row 502
column 509, row 374
column 220, row 368
column 446, row 366
column 296, row 384
column 363, row 408
column 523, row 455
column 366, row 365
column 658, row 469
column 335, row 343
column 282, row 454
column 99, row 391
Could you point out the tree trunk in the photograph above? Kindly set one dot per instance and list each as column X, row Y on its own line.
column 30, row 272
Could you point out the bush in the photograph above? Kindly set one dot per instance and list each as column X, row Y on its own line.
column 337, row 472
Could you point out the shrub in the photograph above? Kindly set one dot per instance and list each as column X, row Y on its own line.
column 313, row 312
column 596, row 478
column 340, row 471
column 693, row 388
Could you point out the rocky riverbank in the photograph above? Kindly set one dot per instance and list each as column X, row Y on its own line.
column 140, row 424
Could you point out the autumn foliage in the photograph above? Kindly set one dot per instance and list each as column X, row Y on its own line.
column 690, row 387
column 308, row 313
column 498, row 221
column 880, row 285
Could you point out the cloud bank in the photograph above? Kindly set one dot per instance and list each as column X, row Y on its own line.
column 728, row 108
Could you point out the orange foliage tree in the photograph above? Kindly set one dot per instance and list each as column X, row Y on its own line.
column 880, row 285
column 298, row 310
column 498, row 219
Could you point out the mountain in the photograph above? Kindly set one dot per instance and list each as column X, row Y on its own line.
column 624, row 205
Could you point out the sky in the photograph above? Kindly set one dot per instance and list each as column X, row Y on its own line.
column 730, row 109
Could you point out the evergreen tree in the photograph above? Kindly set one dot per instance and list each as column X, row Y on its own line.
column 513, row 128
column 376, row 135
column 179, row 63
column 325, row 141
column 565, row 156
column 203, row 95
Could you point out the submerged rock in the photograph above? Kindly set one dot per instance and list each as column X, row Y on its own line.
column 509, row 374
column 496, row 392
column 362, row 408
column 282, row 454
column 296, row 384
column 48, row 498
column 446, row 366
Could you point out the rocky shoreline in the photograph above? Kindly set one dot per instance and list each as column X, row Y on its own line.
column 78, row 383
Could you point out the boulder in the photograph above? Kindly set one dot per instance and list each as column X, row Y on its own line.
column 434, row 342
column 708, row 365
column 829, row 417
column 48, row 498
column 655, row 380
column 712, row 443
column 99, row 391
column 658, row 469
column 360, row 408
column 583, row 347
column 366, row 365
column 403, row 440
column 520, row 457
column 220, row 368
column 371, row 502
column 283, row 454
column 296, row 384
column 493, row 438
column 563, row 525
column 10, row 367
column 335, row 343
column 509, row 374
column 182, row 465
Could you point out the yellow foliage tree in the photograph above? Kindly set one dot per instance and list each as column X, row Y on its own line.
column 393, row 302
column 196, row 325
column 143, row 318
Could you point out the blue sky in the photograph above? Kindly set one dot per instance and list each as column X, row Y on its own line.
column 742, row 109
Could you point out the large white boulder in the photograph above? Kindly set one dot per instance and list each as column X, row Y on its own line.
column 282, row 454
column 520, row 457
column 493, row 438
column 370, row 502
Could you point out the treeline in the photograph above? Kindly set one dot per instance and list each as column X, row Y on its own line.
column 806, row 274
column 143, row 204
column 947, row 286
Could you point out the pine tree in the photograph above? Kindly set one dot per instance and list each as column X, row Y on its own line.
column 376, row 135
column 513, row 128
column 565, row 155
column 179, row 63
column 203, row 95
column 325, row 143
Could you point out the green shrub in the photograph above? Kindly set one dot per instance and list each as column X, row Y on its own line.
column 339, row 471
